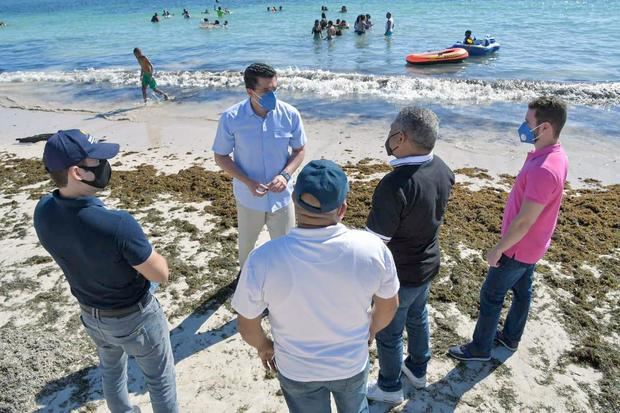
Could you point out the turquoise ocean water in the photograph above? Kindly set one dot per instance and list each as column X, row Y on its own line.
column 565, row 47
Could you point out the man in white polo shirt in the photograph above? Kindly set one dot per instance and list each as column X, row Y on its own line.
column 258, row 132
column 319, row 283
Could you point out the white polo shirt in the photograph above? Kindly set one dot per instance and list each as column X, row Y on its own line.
column 318, row 285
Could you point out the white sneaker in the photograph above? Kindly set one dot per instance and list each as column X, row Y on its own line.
column 375, row 393
column 418, row 382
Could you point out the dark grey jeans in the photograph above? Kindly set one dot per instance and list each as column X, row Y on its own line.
column 145, row 336
column 313, row 396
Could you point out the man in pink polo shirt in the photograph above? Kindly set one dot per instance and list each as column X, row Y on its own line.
column 530, row 218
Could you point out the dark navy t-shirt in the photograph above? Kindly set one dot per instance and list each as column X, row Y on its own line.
column 96, row 249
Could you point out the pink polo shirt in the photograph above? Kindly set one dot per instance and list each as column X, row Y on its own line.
column 541, row 180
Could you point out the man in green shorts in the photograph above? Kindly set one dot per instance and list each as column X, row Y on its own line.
column 146, row 74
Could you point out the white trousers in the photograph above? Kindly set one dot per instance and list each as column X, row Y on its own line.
column 251, row 222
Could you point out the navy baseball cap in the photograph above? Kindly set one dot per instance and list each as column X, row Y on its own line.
column 69, row 147
column 324, row 180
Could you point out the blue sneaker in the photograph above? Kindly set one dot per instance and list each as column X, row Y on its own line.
column 463, row 353
column 509, row 344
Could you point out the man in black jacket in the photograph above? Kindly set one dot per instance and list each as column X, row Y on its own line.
column 407, row 210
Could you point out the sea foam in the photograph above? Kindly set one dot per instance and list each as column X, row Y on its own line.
column 338, row 85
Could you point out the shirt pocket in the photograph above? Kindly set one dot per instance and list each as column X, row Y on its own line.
column 282, row 139
column 282, row 135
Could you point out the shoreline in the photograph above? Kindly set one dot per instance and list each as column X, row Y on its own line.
column 188, row 128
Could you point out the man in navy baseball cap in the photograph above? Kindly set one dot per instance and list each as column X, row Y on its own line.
column 68, row 147
column 318, row 282
column 109, row 265
column 325, row 182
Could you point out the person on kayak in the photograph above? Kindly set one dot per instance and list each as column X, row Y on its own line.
column 469, row 39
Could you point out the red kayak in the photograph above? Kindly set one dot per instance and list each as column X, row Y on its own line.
column 453, row 55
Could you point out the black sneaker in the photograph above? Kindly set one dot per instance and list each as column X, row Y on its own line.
column 462, row 353
column 510, row 345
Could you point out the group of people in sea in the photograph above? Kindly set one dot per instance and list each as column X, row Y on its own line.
column 331, row 29
column 166, row 14
column 205, row 24
column 322, row 29
column 185, row 14
column 363, row 23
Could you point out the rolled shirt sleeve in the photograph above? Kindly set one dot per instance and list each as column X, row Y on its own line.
column 224, row 142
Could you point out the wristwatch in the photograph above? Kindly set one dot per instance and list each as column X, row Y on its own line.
column 285, row 175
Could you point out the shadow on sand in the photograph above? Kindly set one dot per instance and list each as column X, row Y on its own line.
column 84, row 386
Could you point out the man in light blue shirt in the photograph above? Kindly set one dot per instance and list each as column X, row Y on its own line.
column 258, row 132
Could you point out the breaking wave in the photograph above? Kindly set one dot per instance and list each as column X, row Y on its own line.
column 338, row 85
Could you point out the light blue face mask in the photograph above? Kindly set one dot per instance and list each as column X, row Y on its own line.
column 268, row 101
column 526, row 134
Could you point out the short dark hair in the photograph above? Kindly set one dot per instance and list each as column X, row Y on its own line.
column 137, row 50
column 550, row 109
column 60, row 178
column 256, row 70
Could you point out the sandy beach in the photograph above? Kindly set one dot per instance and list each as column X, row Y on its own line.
column 165, row 175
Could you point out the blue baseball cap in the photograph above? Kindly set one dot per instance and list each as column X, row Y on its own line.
column 324, row 180
column 69, row 147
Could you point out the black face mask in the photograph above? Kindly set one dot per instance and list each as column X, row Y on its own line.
column 388, row 148
column 102, row 172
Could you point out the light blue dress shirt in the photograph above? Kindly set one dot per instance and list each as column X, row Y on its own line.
column 260, row 148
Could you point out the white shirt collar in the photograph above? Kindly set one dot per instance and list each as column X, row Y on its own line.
column 318, row 233
column 412, row 160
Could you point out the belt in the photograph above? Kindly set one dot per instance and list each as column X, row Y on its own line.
column 118, row 312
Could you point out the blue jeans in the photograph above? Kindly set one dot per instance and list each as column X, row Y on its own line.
column 510, row 275
column 313, row 396
column 143, row 335
column 413, row 315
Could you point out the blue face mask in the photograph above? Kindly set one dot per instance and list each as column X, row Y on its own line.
column 526, row 134
column 268, row 101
